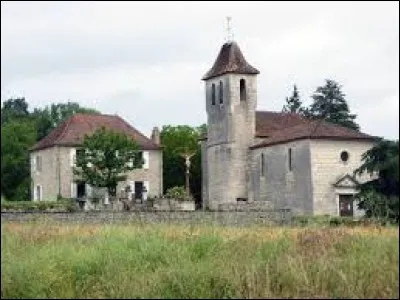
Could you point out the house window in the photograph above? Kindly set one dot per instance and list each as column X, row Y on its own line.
column 262, row 165
column 290, row 159
column 344, row 156
column 146, row 159
column 38, row 193
column 242, row 90
column 38, row 163
column 221, row 93
column 213, row 94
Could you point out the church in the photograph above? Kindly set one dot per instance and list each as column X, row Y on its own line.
column 272, row 159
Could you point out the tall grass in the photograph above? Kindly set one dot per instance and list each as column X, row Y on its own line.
column 155, row 261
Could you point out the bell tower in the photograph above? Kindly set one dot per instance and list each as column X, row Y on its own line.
column 231, row 100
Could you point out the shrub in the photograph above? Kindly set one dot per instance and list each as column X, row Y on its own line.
column 62, row 205
column 178, row 193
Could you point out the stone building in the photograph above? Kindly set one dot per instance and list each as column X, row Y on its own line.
column 53, row 158
column 273, row 159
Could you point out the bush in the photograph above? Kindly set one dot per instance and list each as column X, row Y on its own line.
column 178, row 193
column 60, row 205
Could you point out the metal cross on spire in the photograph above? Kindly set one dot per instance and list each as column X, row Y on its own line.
column 229, row 32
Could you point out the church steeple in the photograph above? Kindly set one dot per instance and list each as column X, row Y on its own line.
column 230, row 60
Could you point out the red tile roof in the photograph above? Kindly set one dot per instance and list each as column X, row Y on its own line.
column 72, row 131
column 230, row 60
column 279, row 127
column 315, row 129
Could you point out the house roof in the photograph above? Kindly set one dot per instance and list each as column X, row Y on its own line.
column 230, row 60
column 312, row 129
column 72, row 131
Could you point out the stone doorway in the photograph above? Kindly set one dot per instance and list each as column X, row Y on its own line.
column 346, row 208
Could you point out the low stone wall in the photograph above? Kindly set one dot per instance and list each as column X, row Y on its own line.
column 276, row 217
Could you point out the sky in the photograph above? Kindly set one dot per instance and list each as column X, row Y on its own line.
column 144, row 60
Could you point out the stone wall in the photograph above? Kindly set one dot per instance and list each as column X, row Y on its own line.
column 188, row 218
column 283, row 187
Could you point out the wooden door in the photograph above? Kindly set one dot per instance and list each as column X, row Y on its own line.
column 346, row 205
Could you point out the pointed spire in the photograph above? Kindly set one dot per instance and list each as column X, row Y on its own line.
column 230, row 60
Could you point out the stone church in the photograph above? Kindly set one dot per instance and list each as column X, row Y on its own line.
column 273, row 159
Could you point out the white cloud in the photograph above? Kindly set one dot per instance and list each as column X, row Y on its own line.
column 144, row 60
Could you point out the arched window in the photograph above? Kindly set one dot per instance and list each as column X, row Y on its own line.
column 262, row 165
column 242, row 90
column 221, row 92
column 213, row 94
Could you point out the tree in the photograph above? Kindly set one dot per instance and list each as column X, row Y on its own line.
column 105, row 157
column 51, row 116
column 17, row 136
column 177, row 142
column 382, row 160
column 293, row 104
column 14, row 108
column 330, row 104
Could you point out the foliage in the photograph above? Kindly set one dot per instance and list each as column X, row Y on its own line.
column 177, row 140
column 293, row 104
column 17, row 136
column 179, row 193
column 59, row 205
column 329, row 103
column 14, row 108
column 51, row 116
column 184, row 262
column 105, row 157
column 380, row 196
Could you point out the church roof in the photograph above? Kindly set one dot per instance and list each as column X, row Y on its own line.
column 280, row 127
column 72, row 131
column 310, row 129
column 230, row 60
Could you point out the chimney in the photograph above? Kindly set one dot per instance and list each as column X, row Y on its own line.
column 155, row 135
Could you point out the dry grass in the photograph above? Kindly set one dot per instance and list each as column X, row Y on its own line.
column 48, row 260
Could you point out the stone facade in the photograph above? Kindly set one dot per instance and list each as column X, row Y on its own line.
column 56, row 175
column 327, row 168
column 231, row 126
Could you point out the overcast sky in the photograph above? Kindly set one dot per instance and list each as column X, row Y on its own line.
column 144, row 61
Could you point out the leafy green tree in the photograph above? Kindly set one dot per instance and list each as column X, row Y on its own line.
column 178, row 141
column 382, row 192
column 293, row 104
column 14, row 108
column 17, row 136
column 105, row 157
column 51, row 116
column 329, row 103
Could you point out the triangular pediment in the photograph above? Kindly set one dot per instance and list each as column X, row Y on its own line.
column 346, row 181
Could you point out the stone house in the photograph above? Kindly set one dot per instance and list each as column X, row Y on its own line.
column 273, row 159
column 53, row 158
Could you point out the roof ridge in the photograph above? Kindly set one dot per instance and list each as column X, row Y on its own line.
column 137, row 131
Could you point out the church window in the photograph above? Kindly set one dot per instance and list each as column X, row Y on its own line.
column 221, row 95
column 213, row 94
column 242, row 90
column 344, row 156
column 262, row 164
column 290, row 159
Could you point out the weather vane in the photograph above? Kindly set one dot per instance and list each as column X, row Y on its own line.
column 229, row 32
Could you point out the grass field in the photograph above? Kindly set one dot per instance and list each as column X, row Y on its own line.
column 155, row 261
